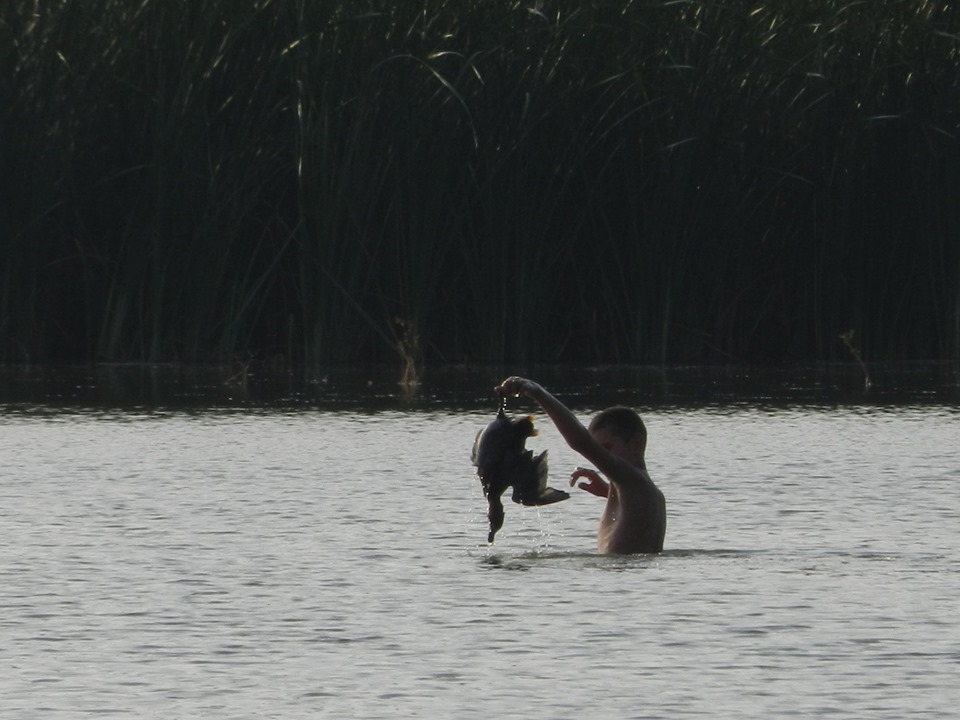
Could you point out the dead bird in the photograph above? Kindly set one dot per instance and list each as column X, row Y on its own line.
column 503, row 461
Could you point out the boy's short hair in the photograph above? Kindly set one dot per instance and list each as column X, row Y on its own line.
column 622, row 422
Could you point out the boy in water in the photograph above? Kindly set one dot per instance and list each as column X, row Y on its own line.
column 635, row 517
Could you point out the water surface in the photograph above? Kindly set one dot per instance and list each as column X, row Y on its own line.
column 317, row 556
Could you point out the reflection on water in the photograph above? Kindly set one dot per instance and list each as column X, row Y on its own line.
column 369, row 388
column 189, row 552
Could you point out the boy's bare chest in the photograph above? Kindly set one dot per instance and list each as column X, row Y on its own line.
column 628, row 524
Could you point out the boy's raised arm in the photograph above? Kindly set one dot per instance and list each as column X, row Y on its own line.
column 573, row 431
column 577, row 436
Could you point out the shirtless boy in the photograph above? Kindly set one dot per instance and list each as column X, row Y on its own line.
column 635, row 517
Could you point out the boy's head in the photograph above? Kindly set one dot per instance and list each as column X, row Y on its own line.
column 623, row 424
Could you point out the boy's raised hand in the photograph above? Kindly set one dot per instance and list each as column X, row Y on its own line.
column 514, row 386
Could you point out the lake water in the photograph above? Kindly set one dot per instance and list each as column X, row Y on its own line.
column 318, row 550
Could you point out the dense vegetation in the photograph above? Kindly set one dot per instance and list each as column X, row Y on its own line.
column 641, row 181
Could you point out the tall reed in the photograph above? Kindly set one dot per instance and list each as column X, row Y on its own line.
column 551, row 181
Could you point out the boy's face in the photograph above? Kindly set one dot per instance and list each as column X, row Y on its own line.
column 614, row 445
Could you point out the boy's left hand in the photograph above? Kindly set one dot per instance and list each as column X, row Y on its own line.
column 595, row 484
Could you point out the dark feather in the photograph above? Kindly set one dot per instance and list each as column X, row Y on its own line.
column 503, row 461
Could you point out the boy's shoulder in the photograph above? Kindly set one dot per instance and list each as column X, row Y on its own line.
column 636, row 478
